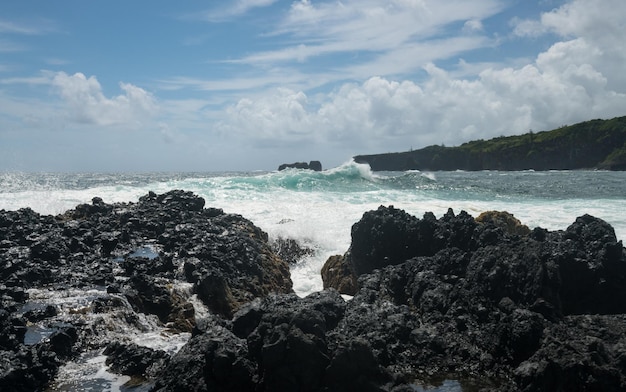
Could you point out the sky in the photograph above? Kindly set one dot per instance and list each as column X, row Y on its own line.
column 132, row 86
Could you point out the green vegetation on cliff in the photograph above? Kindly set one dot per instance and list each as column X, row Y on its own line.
column 595, row 144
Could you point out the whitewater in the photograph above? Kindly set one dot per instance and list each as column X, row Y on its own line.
column 317, row 209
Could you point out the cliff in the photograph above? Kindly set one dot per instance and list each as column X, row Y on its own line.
column 595, row 144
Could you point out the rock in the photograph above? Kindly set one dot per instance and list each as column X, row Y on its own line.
column 354, row 368
column 582, row 353
column 134, row 360
column 450, row 297
column 290, row 250
column 336, row 273
column 151, row 296
column 503, row 220
column 139, row 252
column 489, row 301
column 215, row 360
column 389, row 236
column 27, row 368
column 313, row 165
column 473, row 301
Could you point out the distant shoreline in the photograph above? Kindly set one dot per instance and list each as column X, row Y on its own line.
column 595, row 144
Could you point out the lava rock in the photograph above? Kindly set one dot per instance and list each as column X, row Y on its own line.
column 133, row 360
column 215, row 360
column 313, row 165
column 290, row 250
column 336, row 273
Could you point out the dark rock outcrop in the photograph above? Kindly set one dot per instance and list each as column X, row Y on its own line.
column 336, row 273
column 478, row 302
column 139, row 252
column 290, row 250
column 447, row 298
column 525, row 312
column 134, row 360
column 313, row 165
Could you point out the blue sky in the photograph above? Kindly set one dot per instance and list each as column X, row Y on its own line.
column 250, row 84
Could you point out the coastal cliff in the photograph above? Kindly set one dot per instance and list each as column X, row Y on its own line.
column 595, row 144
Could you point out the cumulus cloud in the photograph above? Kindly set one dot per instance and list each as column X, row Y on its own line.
column 577, row 78
column 395, row 114
column 278, row 118
column 86, row 103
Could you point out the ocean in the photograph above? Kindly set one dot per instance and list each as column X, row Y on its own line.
column 318, row 208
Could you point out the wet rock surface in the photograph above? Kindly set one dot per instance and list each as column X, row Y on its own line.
column 485, row 304
column 481, row 303
column 473, row 301
column 125, row 260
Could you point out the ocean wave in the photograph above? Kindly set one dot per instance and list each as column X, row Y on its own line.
column 350, row 176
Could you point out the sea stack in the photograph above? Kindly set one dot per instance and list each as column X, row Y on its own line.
column 313, row 165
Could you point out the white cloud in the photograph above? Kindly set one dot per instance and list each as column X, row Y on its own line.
column 362, row 38
column 527, row 27
column 377, row 102
column 385, row 115
column 228, row 10
column 577, row 78
column 473, row 25
column 596, row 19
column 86, row 103
column 372, row 26
column 279, row 118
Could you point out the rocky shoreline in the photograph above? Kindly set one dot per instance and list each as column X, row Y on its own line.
column 485, row 303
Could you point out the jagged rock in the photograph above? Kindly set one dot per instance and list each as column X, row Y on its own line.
column 290, row 250
column 215, row 360
column 451, row 298
column 133, row 360
column 336, row 273
column 456, row 296
column 390, row 236
column 503, row 220
column 581, row 353
column 313, row 165
column 137, row 250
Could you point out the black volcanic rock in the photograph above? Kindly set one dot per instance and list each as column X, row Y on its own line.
column 313, row 165
column 471, row 299
column 478, row 302
column 134, row 360
column 215, row 360
column 139, row 252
